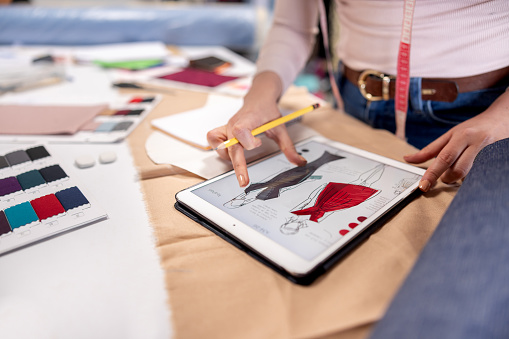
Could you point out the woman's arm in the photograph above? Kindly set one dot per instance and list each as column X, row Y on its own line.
column 283, row 54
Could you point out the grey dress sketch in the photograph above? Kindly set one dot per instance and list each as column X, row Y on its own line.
column 294, row 176
column 285, row 180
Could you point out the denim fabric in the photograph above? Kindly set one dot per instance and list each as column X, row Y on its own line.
column 426, row 120
column 459, row 286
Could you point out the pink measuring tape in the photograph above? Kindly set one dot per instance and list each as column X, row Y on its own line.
column 325, row 34
column 403, row 69
column 403, row 66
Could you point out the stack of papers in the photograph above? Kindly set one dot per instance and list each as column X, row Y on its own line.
column 192, row 126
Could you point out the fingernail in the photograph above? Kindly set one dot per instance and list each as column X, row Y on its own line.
column 424, row 185
column 242, row 180
column 304, row 161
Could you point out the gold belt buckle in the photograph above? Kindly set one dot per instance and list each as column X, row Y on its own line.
column 386, row 80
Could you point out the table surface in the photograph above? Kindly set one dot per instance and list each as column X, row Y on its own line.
column 127, row 276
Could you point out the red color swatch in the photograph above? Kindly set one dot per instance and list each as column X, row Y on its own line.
column 47, row 206
column 198, row 77
column 135, row 100
column 343, row 232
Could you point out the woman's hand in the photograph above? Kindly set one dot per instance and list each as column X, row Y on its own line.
column 260, row 107
column 456, row 150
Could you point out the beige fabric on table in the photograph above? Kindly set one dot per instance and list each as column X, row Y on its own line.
column 218, row 291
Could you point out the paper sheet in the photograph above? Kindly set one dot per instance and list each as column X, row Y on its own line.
column 192, row 126
column 108, row 273
column 122, row 52
column 163, row 149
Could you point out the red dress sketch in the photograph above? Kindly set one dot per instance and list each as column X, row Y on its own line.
column 336, row 196
column 332, row 197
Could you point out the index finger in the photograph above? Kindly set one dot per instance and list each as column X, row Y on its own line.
column 430, row 151
column 236, row 153
column 444, row 160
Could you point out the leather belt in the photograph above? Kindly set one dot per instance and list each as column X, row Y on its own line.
column 376, row 85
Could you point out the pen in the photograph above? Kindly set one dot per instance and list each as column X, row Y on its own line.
column 270, row 124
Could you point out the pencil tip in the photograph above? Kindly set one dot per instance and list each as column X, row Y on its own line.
column 315, row 106
column 221, row 146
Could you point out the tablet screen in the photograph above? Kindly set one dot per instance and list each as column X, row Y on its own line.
column 311, row 208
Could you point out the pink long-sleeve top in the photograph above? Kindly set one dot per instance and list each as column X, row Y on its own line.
column 450, row 38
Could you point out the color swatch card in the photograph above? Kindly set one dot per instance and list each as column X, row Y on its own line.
column 39, row 200
column 75, row 124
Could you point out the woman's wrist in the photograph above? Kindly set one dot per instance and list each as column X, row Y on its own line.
column 266, row 87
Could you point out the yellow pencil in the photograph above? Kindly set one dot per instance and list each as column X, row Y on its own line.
column 271, row 124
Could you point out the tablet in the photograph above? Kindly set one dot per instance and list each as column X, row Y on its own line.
column 301, row 220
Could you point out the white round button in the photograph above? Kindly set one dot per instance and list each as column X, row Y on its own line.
column 107, row 157
column 84, row 161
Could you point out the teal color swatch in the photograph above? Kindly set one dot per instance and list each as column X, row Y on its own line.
column 20, row 215
column 30, row 179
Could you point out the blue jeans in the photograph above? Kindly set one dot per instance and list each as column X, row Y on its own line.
column 426, row 120
column 459, row 286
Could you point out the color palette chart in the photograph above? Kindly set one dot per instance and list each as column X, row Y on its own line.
column 38, row 199
column 113, row 124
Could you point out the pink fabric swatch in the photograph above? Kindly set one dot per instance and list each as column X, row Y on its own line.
column 46, row 120
column 198, row 77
